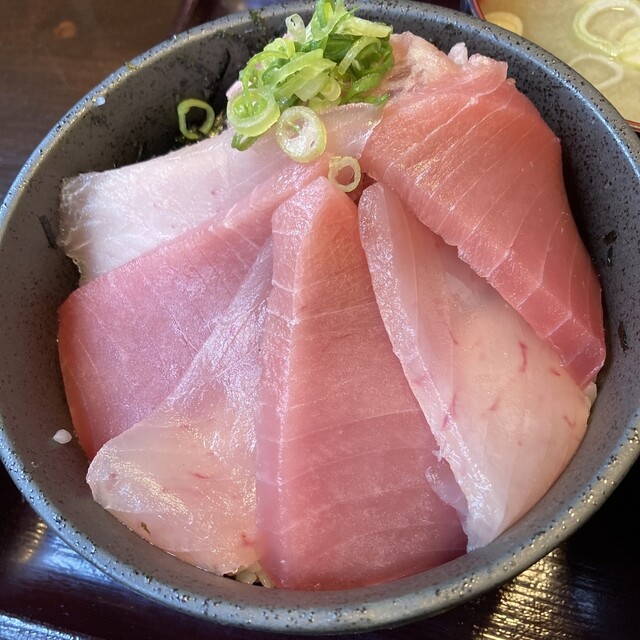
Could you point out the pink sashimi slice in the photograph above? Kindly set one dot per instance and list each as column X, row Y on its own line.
column 126, row 338
column 184, row 477
column 345, row 457
column 109, row 218
column 505, row 413
column 471, row 157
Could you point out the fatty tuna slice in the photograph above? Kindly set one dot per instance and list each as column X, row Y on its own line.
column 471, row 157
column 109, row 218
column 184, row 477
column 506, row 415
column 345, row 457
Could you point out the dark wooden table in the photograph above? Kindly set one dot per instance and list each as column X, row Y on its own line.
column 51, row 54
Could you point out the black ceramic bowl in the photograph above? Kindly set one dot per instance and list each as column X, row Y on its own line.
column 134, row 111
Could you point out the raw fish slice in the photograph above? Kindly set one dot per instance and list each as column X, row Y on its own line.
column 349, row 125
column 419, row 68
column 111, row 217
column 108, row 218
column 177, row 290
column 343, row 448
column 127, row 337
column 415, row 62
column 184, row 478
column 506, row 415
column 480, row 175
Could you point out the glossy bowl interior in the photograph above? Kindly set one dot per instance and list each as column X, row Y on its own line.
column 474, row 8
column 132, row 114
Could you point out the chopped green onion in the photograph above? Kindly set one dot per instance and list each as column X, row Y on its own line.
column 301, row 134
column 307, row 62
column 359, row 27
column 205, row 128
column 618, row 11
column 296, row 29
column 337, row 166
column 252, row 112
column 351, row 55
column 311, row 87
column 335, row 59
column 598, row 69
column 242, row 143
column 252, row 75
column 328, row 96
column 326, row 19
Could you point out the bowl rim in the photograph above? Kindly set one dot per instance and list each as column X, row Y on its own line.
column 354, row 609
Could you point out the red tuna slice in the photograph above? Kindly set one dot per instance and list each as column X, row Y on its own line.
column 506, row 415
column 485, row 173
column 109, row 218
column 127, row 337
column 343, row 448
column 184, row 477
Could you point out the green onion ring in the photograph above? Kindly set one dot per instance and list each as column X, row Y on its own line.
column 589, row 10
column 337, row 164
column 252, row 112
column 335, row 59
column 295, row 28
column 301, row 134
column 183, row 109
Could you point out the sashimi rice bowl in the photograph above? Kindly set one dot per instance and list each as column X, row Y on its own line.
column 320, row 321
